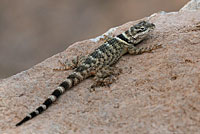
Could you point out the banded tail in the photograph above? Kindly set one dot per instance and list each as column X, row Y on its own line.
column 71, row 80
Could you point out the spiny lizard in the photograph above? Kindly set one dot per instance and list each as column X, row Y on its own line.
column 100, row 60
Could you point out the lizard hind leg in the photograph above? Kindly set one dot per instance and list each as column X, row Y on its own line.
column 106, row 76
column 70, row 65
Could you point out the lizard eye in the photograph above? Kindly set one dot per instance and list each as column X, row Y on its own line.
column 142, row 28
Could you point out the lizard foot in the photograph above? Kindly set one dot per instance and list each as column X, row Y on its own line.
column 70, row 65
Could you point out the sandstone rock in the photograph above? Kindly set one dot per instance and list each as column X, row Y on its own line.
column 192, row 5
column 157, row 92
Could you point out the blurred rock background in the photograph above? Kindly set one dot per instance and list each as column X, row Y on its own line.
column 31, row 31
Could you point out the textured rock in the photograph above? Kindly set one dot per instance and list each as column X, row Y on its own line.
column 192, row 5
column 157, row 92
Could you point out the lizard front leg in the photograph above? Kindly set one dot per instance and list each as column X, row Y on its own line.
column 134, row 51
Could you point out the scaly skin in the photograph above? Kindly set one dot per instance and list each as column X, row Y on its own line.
column 104, row 56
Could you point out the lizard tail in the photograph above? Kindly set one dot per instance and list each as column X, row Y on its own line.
column 71, row 80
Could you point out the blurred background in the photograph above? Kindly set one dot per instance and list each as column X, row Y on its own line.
column 33, row 30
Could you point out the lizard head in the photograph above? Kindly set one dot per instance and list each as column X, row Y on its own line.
column 138, row 32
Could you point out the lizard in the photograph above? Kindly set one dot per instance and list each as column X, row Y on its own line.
column 99, row 60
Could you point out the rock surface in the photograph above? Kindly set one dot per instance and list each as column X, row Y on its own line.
column 192, row 5
column 157, row 92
